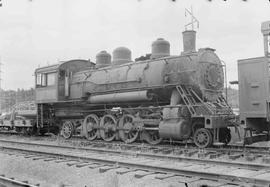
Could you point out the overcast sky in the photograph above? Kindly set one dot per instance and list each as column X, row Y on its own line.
column 41, row 32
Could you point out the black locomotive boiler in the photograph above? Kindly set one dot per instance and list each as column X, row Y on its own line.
column 163, row 97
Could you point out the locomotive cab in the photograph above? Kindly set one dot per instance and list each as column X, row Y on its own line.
column 53, row 82
column 53, row 85
column 46, row 84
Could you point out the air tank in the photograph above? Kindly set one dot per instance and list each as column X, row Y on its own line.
column 121, row 55
column 103, row 59
column 160, row 48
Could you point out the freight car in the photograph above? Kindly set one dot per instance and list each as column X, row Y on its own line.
column 159, row 97
column 21, row 118
column 254, row 92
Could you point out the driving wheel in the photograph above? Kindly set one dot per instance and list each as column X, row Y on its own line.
column 108, row 125
column 128, row 133
column 90, row 124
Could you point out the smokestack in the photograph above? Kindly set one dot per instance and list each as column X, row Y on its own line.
column 266, row 34
column 189, row 41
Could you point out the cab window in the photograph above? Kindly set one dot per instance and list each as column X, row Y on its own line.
column 51, row 79
column 45, row 79
column 38, row 79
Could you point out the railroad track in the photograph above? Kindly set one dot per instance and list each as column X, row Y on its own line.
column 186, row 155
column 80, row 141
column 257, row 155
column 162, row 166
column 8, row 132
column 11, row 182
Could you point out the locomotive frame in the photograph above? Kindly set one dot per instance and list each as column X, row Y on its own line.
column 193, row 117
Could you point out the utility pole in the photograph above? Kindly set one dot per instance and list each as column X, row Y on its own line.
column 0, row 87
column 266, row 37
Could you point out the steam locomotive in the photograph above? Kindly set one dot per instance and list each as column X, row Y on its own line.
column 161, row 97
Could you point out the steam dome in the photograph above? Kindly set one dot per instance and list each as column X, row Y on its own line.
column 121, row 55
column 160, row 48
column 103, row 59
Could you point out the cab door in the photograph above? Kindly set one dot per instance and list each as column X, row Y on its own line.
column 64, row 84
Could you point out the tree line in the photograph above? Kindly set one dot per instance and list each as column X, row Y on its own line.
column 8, row 98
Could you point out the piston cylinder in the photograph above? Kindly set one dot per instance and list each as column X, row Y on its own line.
column 178, row 129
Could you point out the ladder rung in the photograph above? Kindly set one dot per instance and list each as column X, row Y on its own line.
column 187, row 98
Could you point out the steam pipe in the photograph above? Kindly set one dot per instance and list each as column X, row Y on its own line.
column 144, row 95
column 225, row 77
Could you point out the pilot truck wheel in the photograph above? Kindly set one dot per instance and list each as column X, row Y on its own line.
column 203, row 138
column 67, row 129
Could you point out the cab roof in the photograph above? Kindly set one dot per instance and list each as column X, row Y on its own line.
column 79, row 63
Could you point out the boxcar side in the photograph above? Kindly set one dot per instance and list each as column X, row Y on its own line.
column 253, row 76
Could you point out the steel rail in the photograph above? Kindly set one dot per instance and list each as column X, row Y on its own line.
column 168, row 144
column 229, row 148
column 244, row 165
column 145, row 166
column 11, row 182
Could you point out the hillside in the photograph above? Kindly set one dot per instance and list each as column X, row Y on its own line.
column 11, row 97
